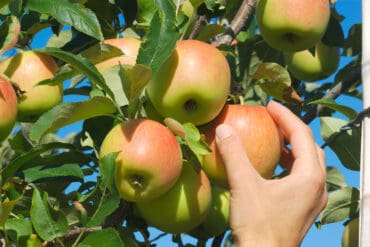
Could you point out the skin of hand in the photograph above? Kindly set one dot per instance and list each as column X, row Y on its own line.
column 275, row 212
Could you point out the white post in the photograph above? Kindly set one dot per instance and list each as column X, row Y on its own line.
column 365, row 152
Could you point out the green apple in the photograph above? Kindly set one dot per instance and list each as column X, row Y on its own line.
column 26, row 69
column 292, row 25
column 312, row 65
column 183, row 207
column 8, row 107
column 150, row 158
column 129, row 47
column 350, row 236
column 217, row 220
column 192, row 85
column 260, row 135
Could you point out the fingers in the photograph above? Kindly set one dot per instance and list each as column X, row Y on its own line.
column 299, row 135
column 238, row 167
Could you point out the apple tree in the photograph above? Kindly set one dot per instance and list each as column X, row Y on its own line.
column 81, row 67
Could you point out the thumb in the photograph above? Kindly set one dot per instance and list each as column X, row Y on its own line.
column 237, row 164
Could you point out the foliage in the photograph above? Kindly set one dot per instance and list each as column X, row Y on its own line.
column 56, row 191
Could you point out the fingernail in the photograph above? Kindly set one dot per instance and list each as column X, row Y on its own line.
column 223, row 131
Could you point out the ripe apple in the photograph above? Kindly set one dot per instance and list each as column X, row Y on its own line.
column 217, row 220
column 129, row 47
column 183, row 207
column 192, row 85
column 292, row 25
column 313, row 65
column 350, row 236
column 150, row 158
column 26, row 69
column 260, row 135
column 8, row 107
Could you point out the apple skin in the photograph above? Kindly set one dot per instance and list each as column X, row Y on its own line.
column 130, row 49
column 192, row 85
column 350, row 236
column 217, row 220
column 8, row 107
column 309, row 67
column 260, row 135
column 150, row 158
column 183, row 207
column 292, row 25
column 26, row 69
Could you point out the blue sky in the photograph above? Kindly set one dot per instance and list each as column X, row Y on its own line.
column 329, row 235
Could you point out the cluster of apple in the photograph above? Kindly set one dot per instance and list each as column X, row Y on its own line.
column 151, row 171
column 286, row 26
column 21, row 99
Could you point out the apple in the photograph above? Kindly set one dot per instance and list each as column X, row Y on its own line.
column 217, row 220
column 193, row 83
column 313, row 65
column 292, row 25
column 150, row 158
column 8, row 107
column 183, row 207
column 350, row 236
column 260, row 135
column 26, row 69
column 129, row 47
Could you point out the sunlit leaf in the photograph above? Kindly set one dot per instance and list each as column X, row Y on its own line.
column 108, row 236
column 330, row 103
column 334, row 179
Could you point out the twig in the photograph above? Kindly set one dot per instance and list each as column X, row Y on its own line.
column 201, row 21
column 352, row 78
column 79, row 230
column 244, row 13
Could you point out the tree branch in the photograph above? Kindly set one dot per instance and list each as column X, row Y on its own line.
column 79, row 230
column 333, row 93
column 244, row 13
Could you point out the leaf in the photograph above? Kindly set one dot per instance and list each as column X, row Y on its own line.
column 65, row 171
column 353, row 43
column 9, row 32
column 105, row 237
column 6, row 208
column 134, row 80
column 145, row 10
column 342, row 204
column 70, row 14
column 68, row 113
column 330, row 103
column 46, row 225
column 101, row 52
column 110, row 199
column 334, row 179
column 4, row 3
column 210, row 31
column 21, row 227
column 81, row 64
column 161, row 37
column 25, row 158
column 275, row 81
column 345, row 144
column 334, row 35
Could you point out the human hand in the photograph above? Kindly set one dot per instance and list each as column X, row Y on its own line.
column 276, row 212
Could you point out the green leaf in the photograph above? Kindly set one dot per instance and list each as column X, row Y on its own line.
column 275, row 81
column 210, row 31
column 106, row 237
column 161, row 37
column 353, row 43
column 334, row 179
column 81, row 64
column 134, row 80
column 101, row 52
column 110, row 199
column 21, row 227
column 342, row 204
column 66, row 171
column 5, row 209
column 334, row 35
column 68, row 113
column 345, row 144
column 70, row 14
column 4, row 3
column 47, row 224
column 330, row 103
column 145, row 10
column 9, row 31
column 113, row 79
column 24, row 159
